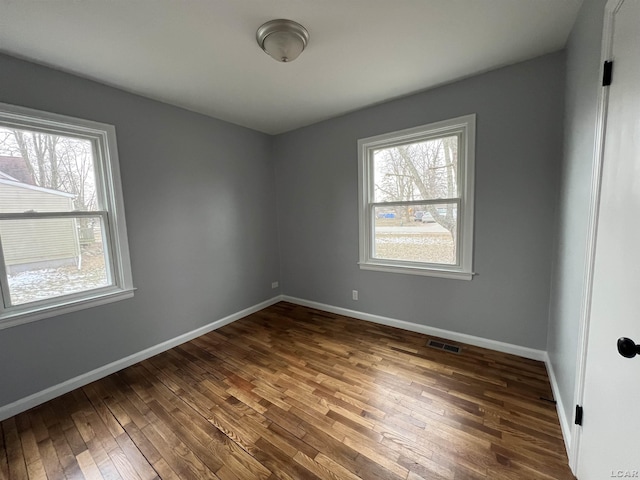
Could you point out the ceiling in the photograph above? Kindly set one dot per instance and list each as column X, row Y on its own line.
column 202, row 54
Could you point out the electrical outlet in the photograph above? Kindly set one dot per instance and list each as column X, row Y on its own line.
column 354, row 294
column 274, row 284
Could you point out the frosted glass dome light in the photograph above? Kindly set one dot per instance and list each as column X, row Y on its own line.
column 283, row 40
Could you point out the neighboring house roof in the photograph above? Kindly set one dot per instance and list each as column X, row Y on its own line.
column 9, row 180
column 7, row 177
column 17, row 169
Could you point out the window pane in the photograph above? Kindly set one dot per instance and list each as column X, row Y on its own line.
column 47, row 258
column 45, row 172
column 417, row 233
column 423, row 170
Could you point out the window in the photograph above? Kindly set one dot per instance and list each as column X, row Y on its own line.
column 63, row 240
column 416, row 199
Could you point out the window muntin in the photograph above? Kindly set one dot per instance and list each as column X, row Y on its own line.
column 63, row 243
column 416, row 199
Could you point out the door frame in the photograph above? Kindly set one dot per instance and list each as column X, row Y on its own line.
column 611, row 9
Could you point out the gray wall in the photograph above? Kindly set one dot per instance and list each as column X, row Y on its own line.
column 519, row 144
column 200, row 206
column 583, row 82
column 201, row 212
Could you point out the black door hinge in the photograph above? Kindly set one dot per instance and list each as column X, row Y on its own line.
column 607, row 72
column 578, row 420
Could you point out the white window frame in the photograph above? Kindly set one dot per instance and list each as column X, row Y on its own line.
column 464, row 127
column 109, row 191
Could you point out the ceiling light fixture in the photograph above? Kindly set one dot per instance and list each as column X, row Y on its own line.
column 282, row 39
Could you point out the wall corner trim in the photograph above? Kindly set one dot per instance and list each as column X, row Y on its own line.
column 565, row 425
column 23, row 404
column 503, row 347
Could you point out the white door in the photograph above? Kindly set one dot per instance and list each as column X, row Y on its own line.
column 610, row 442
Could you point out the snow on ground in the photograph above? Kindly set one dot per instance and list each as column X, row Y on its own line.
column 40, row 284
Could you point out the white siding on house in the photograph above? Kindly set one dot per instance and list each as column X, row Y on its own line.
column 15, row 198
column 37, row 242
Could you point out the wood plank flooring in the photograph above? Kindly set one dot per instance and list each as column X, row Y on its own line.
column 295, row 393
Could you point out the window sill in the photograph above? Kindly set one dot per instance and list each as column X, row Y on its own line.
column 15, row 318
column 414, row 270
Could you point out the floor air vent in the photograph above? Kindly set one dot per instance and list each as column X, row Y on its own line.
column 444, row 346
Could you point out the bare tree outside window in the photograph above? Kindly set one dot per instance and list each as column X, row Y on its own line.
column 47, row 258
column 420, row 171
column 415, row 210
column 425, row 170
column 55, row 162
column 63, row 235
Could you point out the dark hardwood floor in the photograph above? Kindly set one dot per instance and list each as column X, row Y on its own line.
column 296, row 393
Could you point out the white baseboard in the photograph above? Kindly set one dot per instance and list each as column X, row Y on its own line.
column 565, row 425
column 526, row 352
column 38, row 398
column 19, row 406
